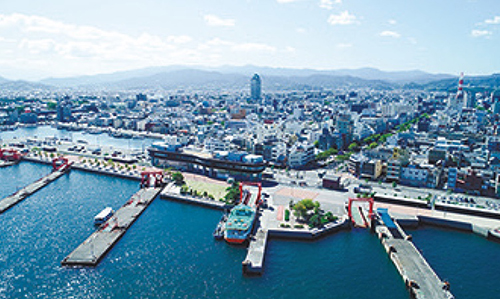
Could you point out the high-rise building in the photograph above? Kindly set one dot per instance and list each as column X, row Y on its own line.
column 255, row 87
column 345, row 127
column 64, row 110
column 495, row 101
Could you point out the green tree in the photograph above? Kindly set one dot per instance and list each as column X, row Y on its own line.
column 178, row 178
column 233, row 194
column 51, row 105
column 353, row 147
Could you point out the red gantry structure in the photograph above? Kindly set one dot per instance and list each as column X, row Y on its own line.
column 370, row 212
column 8, row 154
column 60, row 163
column 245, row 195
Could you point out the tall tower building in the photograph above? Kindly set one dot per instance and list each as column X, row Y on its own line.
column 255, row 87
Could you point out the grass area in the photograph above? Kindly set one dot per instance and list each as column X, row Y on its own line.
column 217, row 190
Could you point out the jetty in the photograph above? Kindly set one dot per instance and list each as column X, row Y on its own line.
column 420, row 279
column 254, row 260
column 95, row 247
column 10, row 201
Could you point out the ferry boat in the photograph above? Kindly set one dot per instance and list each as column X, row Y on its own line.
column 242, row 217
column 239, row 224
column 103, row 216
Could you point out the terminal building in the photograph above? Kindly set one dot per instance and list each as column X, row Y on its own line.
column 219, row 164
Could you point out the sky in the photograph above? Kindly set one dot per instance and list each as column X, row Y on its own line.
column 60, row 38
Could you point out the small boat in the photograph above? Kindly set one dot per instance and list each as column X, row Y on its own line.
column 219, row 230
column 103, row 216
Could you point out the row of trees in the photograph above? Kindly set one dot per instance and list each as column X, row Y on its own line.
column 309, row 211
column 371, row 141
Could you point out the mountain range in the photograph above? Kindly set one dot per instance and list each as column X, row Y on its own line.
column 237, row 77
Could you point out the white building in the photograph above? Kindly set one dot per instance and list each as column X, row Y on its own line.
column 212, row 145
column 300, row 154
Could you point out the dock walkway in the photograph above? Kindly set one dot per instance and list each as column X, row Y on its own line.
column 92, row 250
column 419, row 277
column 10, row 201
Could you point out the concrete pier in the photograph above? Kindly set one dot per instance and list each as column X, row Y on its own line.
column 420, row 279
column 92, row 250
column 20, row 195
column 254, row 262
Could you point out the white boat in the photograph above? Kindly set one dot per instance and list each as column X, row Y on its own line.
column 103, row 216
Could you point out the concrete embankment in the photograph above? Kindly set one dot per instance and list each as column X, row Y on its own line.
column 310, row 234
column 92, row 250
column 413, row 222
column 20, row 195
column 7, row 163
column 171, row 192
column 439, row 206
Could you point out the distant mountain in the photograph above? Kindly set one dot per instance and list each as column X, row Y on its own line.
column 107, row 78
column 3, row 80
column 192, row 79
column 237, row 77
column 23, row 85
column 248, row 70
column 362, row 73
column 477, row 83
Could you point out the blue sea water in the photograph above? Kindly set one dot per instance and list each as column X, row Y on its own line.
column 468, row 261
column 169, row 252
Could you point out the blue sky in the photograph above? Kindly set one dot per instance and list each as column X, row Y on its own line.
column 64, row 38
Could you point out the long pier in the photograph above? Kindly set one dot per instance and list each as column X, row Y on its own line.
column 92, row 250
column 420, row 279
column 10, row 201
column 254, row 261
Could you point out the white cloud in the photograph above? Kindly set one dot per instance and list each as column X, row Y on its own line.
column 253, row 47
column 392, row 22
column 179, row 39
column 286, row 1
column 213, row 20
column 329, row 4
column 412, row 40
column 344, row 45
column 39, row 46
column 301, row 30
column 344, row 18
column 388, row 33
column 479, row 33
column 494, row 21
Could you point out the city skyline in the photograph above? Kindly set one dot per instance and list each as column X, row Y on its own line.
column 58, row 39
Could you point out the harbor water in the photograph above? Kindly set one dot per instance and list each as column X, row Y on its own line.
column 92, row 139
column 468, row 261
column 169, row 252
